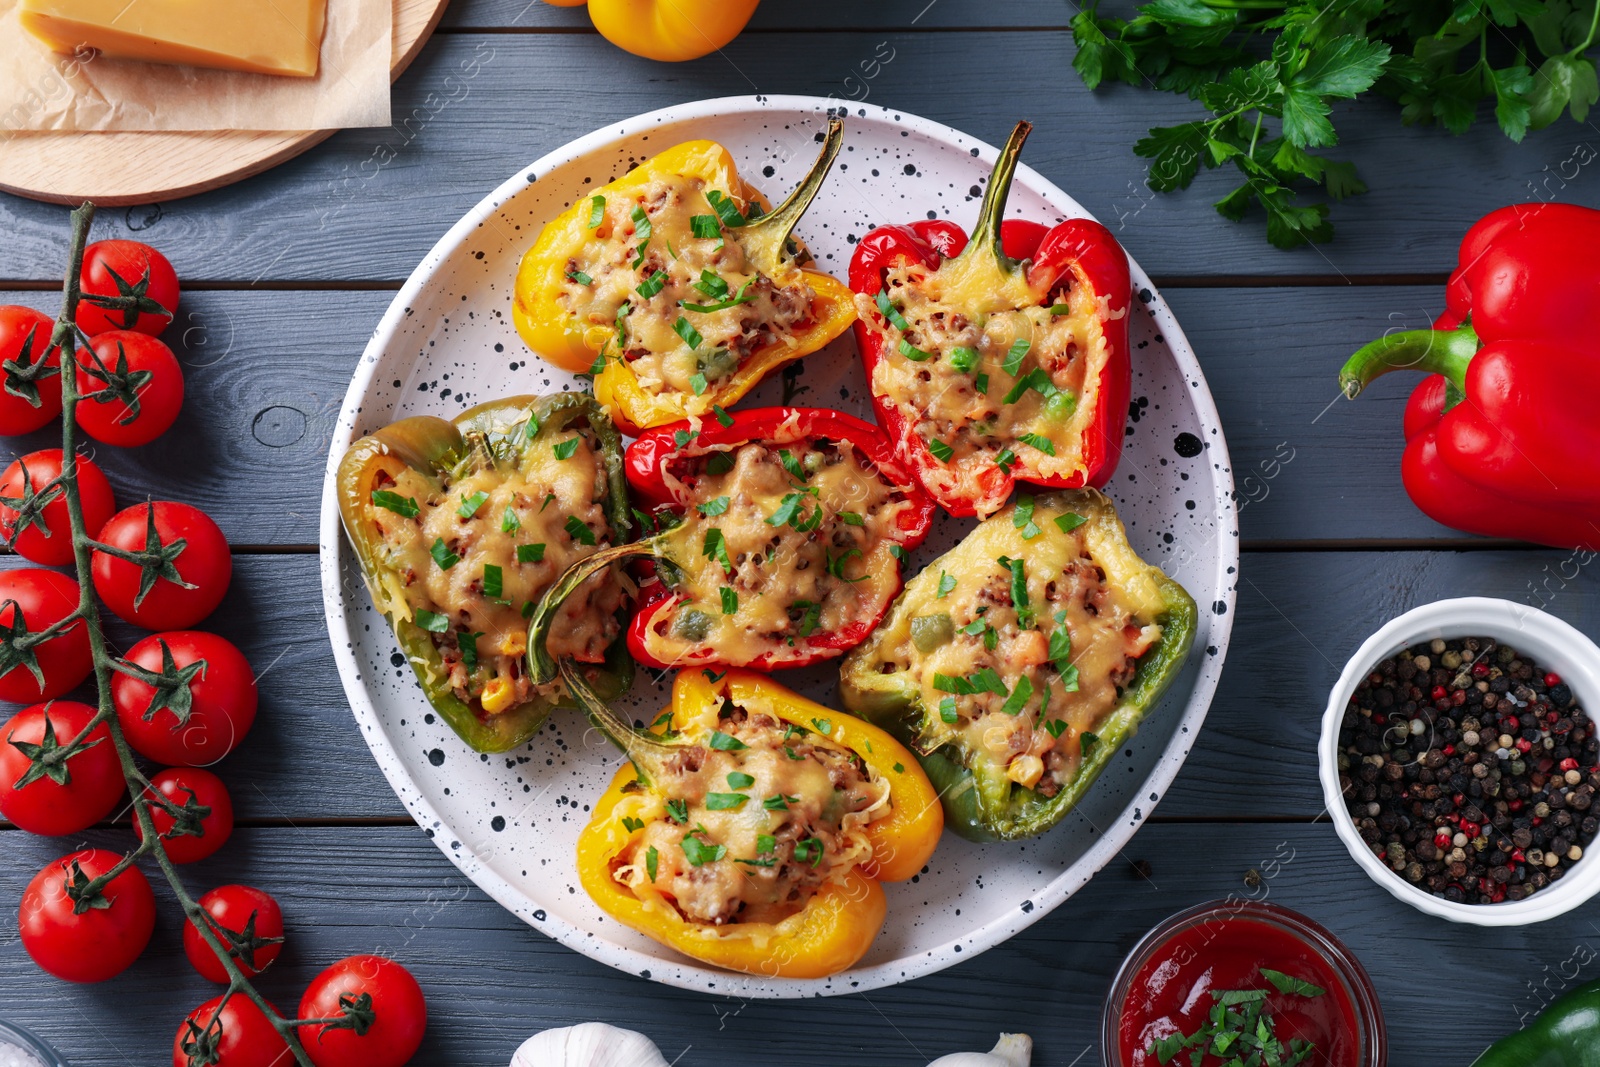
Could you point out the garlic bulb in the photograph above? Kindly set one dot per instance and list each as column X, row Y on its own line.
column 1012, row 1050
column 588, row 1045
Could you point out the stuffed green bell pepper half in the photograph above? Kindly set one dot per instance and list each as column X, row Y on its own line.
column 1018, row 663
column 461, row 525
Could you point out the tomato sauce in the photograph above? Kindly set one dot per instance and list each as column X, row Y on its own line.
column 1170, row 993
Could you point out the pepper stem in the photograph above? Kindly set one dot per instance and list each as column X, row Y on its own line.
column 764, row 240
column 647, row 752
column 1446, row 352
column 542, row 668
column 986, row 233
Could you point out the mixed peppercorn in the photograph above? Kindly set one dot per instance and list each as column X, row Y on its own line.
column 1470, row 770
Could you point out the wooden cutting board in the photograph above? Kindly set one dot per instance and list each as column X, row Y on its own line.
column 117, row 169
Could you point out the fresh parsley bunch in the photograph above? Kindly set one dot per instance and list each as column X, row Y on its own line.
column 1268, row 73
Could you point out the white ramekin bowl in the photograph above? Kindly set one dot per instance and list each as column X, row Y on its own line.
column 1555, row 646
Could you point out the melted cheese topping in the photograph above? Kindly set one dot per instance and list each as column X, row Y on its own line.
column 529, row 497
column 810, row 554
column 1070, row 648
column 639, row 285
column 750, row 834
column 952, row 387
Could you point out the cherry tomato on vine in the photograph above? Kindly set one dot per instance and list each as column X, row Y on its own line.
column 101, row 941
column 203, row 565
column 249, row 913
column 75, row 794
column 30, row 393
column 43, row 599
column 379, row 993
column 37, row 519
column 126, row 268
column 239, row 1035
column 222, row 698
column 130, row 387
column 191, row 785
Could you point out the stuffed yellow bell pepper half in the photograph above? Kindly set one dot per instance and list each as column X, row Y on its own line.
column 754, row 827
column 678, row 286
column 668, row 30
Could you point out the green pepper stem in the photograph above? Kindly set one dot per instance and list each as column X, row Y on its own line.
column 986, row 233
column 647, row 752
column 1446, row 352
column 764, row 239
column 542, row 667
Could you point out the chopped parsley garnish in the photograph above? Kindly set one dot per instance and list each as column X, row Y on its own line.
column 779, row 802
column 565, row 449
column 716, row 547
column 631, row 824
column 712, row 284
column 850, row 518
column 718, row 506
column 912, row 352
column 941, row 451
column 652, row 862
column 725, row 801
column 765, row 843
column 1061, row 657
column 493, row 580
column 823, row 726
column 578, row 531
column 427, row 620
column 725, row 742
column 1036, row 379
column 690, row 335
column 743, row 296
column 400, row 505
column 835, row 564
column 1033, row 440
column 792, row 731
column 719, row 463
column 722, row 416
column 680, row 438
column 638, row 254
column 580, row 277
column 1022, row 518
column 469, row 507
column 509, row 523
column 899, row 768
column 947, row 584
column 1060, row 309
column 791, row 465
column 468, row 644
column 1019, row 591
column 1055, row 728
column 964, row 359
column 810, row 617
column 597, row 212
column 1004, row 460
column 1288, row 983
column 1070, row 521
column 725, row 208
column 678, row 811
column 641, row 223
column 981, row 384
column 698, row 853
column 705, row 227
column 983, row 681
column 697, row 383
column 892, row 313
column 788, row 508
column 730, row 601
column 808, row 850
column 899, row 552
column 530, row 553
column 947, row 710
column 1087, row 743
column 652, row 285
column 442, row 555
column 1014, row 357
column 740, row 780
column 1020, row 695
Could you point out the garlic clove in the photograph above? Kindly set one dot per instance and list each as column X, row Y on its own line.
column 588, row 1045
column 1012, row 1050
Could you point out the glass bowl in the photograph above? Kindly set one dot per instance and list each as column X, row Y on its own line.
column 1373, row 1050
column 15, row 1036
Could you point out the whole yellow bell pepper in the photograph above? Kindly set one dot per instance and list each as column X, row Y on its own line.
column 577, row 306
column 838, row 924
column 668, row 30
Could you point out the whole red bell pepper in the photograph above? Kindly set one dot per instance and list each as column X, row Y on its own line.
column 822, row 492
column 1499, row 440
column 970, row 461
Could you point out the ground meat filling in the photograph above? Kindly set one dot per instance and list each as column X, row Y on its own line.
column 749, row 835
column 988, row 388
column 782, row 543
column 684, row 310
column 486, row 543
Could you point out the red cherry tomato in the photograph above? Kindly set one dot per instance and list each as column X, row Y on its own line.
column 222, row 702
column 46, row 535
column 126, row 268
column 181, row 785
column 203, row 564
column 44, row 598
column 26, row 404
column 100, row 942
column 84, row 789
column 237, row 1036
column 235, row 907
column 399, row 1014
column 131, row 388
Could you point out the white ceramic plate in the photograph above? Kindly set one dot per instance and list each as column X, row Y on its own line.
column 510, row 821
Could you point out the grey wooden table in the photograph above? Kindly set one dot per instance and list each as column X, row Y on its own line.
column 287, row 272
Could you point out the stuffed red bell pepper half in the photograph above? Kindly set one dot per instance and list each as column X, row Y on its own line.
column 1000, row 358
column 781, row 533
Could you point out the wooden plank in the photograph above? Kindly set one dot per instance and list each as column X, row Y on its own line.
column 491, row 982
column 474, row 108
column 267, row 372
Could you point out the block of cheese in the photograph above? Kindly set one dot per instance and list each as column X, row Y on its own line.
column 260, row 36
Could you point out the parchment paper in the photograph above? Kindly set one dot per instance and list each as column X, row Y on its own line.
column 43, row 90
